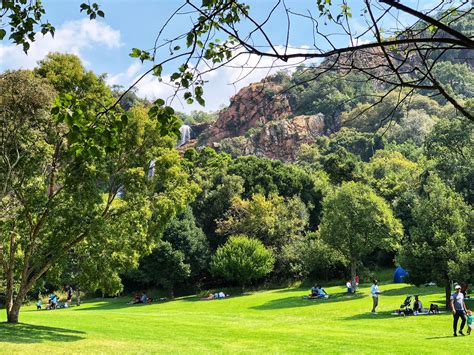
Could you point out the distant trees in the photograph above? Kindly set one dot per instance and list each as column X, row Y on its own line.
column 242, row 260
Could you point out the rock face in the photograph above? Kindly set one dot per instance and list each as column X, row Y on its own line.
column 282, row 139
column 253, row 106
column 259, row 121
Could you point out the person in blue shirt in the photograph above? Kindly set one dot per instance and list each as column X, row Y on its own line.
column 322, row 292
column 314, row 292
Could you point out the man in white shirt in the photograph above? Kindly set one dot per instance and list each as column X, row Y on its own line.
column 459, row 309
column 374, row 291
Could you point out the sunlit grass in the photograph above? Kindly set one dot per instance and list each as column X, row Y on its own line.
column 277, row 321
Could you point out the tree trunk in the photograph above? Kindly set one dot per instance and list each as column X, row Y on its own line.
column 353, row 275
column 78, row 297
column 171, row 292
column 448, row 295
column 13, row 310
column 13, row 313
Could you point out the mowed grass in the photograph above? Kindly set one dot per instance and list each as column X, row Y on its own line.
column 276, row 321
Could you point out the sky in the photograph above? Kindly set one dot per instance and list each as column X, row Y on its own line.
column 104, row 44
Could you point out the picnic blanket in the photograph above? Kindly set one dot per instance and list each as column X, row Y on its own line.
column 418, row 314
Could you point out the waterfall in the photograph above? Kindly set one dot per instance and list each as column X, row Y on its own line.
column 185, row 132
column 151, row 169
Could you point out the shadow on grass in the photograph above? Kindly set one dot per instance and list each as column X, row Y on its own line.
column 299, row 301
column 113, row 304
column 378, row 316
column 441, row 337
column 411, row 290
column 288, row 290
column 30, row 334
column 199, row 299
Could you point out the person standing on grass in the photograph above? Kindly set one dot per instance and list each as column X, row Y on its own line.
column 374, row 291
column 459, row 310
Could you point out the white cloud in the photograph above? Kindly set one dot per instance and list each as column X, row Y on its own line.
column 72, row 37
column 222, row 83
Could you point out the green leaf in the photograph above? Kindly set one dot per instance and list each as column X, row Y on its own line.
column 100, row 13
column 157, row 70
column 190, row 39
column 135, row 53
column 2, row 33
column 159, row 102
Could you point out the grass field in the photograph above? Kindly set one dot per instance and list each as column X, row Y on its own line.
column 277, row 321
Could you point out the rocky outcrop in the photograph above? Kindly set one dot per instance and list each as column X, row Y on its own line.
column 259, row 121
column 253, row 106
column 278, row 139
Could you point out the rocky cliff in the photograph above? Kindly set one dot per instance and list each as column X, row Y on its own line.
column 260, row 121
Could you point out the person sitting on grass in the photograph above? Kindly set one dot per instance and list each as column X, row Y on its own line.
column 417, row 306
column 314, row 292
column 349, row 286
column 322, row 292
column 135, row 299
column 52, row 302
column 145, row 299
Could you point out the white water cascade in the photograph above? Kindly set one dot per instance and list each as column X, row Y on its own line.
column 185, row 132
column 151, row 169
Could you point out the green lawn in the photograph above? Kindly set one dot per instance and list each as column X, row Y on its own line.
column 277, row 321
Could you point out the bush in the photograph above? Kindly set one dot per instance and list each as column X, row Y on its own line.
column 241, row 260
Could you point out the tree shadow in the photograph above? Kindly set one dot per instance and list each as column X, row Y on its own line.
column 28, row 334
column 411, row 290
column 299, row 301
column 287, row 290
column 112, row 304
column 200, row 299
column 378, row 316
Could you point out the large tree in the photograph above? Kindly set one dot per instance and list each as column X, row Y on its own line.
column 356, row 222
column 75, row 180
column 439, row 246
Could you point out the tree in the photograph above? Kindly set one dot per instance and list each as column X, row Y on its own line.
column 242, row 260
column 391, row 174
column 164, row 267
column 275, row 221
column 72, row 180
column 440, row 239
column 356, row 222
column 451, row 146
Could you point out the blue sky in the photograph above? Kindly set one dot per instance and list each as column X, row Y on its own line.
column 103, row 45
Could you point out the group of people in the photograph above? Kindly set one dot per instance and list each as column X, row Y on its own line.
column 317, row 291
column 53, row 300
column 140, row 299
column 215, row 296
